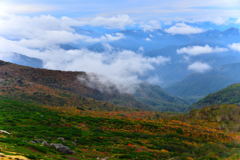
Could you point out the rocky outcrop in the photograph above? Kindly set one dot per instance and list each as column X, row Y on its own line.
column 57, row 146
column 61, row 148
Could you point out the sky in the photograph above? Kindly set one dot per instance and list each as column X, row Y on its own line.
column 38, row 29
column 137, row 9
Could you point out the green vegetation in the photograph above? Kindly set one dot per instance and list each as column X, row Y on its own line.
column 159, row 100
column 93, row 136
column 229, row 95
column 225, row 117
column 49, row 118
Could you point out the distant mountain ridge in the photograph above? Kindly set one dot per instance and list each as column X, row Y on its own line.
column 196, row 86
column 175, row 76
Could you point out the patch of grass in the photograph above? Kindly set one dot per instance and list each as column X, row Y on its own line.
column 91, row 136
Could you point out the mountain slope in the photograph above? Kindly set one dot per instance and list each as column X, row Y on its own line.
column 156, row 97
column 196, row 86
column 229, row 95
column 88, row 135
column 57, row 88
column 224, row 117
column 50, row 87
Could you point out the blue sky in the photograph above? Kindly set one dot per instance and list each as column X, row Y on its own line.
column 137, row 9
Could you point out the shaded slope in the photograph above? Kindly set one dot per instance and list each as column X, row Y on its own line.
column 156, row 97
column 196, row 86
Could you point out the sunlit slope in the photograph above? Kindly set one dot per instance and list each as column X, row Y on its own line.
column 90, row 135
column 229, row 95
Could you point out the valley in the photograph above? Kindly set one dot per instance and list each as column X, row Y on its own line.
column 119, row 80
column 44, row 117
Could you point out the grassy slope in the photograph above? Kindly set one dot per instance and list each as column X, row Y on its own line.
column 229, row 95
column 225, row 117
column 93, row 135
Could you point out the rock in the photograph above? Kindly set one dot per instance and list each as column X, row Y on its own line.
column 61, row 148
column 106, row 158
column 39, row 141
column 45, row 143
column 20, row 82
column 33, row 142
column 74, row 143
column 61, row 139
column 4, row 132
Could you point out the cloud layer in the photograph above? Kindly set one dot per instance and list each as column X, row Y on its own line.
column 151, row 25
column 182, row 28
column 41, row 37
column 235, row 47
column 200, row 50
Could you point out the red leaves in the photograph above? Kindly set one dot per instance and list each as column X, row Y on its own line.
column 130, row 145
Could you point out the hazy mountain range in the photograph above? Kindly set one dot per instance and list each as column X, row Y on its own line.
column 184, row 74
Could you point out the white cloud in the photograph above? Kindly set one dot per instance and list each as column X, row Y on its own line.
column 148, row 39
column 119, row 21
column 199, row 67
column 112, row 22
column 9, row 8
column 121, row 68
column 200, row 50
column 235, row 47
column 115, row 37
column 219, row 20
column 182, row 28
column 151, row 26
column 238, row 21
column 52, row 38
column 40, row 37
column 141, row 49
column 44, row 31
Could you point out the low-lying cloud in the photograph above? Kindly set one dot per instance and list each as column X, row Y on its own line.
column 200, row 50
column 199, row 67
column 182, row 28
column 41, row 37
column 151, row 26
column 119, row 21
column 235, row 47
column 45, row 31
